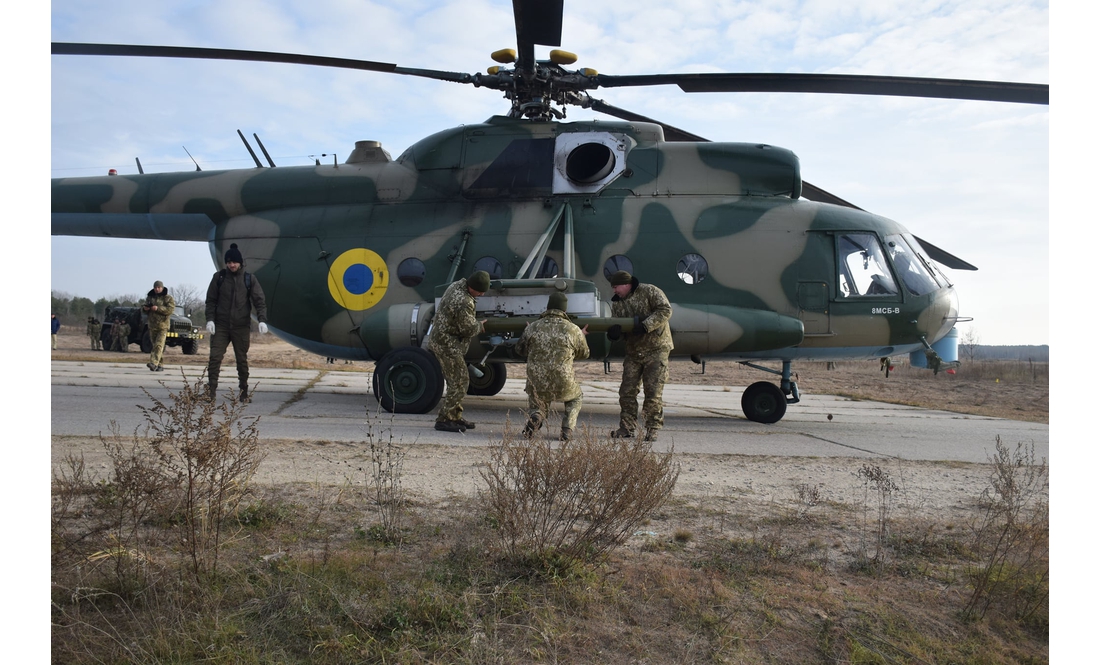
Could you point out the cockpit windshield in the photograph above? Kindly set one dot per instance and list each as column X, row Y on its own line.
column 912, row 271
column 862, row 266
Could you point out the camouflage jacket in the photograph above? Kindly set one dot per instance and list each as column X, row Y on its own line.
column 123, row 331
column 651, row 306
column 550, row 345
column 94, row 328
column 455, row 323
column 161, row 318
column 230, row 301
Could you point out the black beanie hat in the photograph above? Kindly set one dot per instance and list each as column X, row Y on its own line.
column 234, row 254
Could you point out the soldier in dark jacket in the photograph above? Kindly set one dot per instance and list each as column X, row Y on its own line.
column 550, row 345
column 159, row 306
column 230, row 299
column 453, row 328
column 647, row 349
column 55, row 325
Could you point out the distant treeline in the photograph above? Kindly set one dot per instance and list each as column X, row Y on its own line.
column 1036, row 353
column 75, row 310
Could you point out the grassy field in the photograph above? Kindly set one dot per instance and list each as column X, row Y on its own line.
column 585, row 555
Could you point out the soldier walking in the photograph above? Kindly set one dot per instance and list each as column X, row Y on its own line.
column 55, row 325
column 647, row 351
column 159, row 306
column 454, row 327
column 230, row 299
column 550, row 345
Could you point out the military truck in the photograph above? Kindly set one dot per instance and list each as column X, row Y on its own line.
column 181, row 333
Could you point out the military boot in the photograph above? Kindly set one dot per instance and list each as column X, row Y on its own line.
column 211, row 391
column 244, row 398
column 466, row 423
column 530, row 428
column 566, row 434
column 449, row 426
column 622, row 433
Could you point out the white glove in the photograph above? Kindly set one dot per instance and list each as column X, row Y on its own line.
column 210, row 327
column 263, row 328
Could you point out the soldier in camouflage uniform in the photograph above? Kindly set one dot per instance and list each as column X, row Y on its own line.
column 647, row 350
column 123, row 340
column 453, row 329
column 550, row 345
column 95, row 328
column 159, row 305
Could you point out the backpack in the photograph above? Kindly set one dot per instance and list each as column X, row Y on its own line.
column 247, row 280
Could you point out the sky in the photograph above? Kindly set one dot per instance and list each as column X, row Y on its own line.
column 970, row 177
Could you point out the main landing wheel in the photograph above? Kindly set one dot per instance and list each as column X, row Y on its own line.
column 491, row 381
column 408, row 380
column 763, row 402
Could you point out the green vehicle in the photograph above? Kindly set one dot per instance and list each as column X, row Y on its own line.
column 182, row 333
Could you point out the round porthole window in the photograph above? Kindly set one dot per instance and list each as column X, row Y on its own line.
column 548, row 270
column 491, row 266
column 616, row 263
column 410, row 272
column 691, row 269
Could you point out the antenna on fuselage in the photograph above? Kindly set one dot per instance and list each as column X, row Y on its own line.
column 197, row 167
column 140, row 170
column 250, row 151
column 261, row 144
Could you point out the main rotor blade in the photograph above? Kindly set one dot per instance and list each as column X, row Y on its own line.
column 809, row 192
column 815, row 193
column 671, row 133
column 848, row 84
column 940, row 256
column 69, row 48
column 537, row 22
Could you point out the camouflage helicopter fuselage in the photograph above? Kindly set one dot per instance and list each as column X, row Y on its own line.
column 351, row 255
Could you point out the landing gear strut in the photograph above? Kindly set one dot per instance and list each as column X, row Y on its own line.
column 765, row 402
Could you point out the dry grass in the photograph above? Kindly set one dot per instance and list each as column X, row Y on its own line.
column 733, row 575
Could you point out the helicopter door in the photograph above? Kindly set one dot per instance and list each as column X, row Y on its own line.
column 816, row 271
column 813, row 308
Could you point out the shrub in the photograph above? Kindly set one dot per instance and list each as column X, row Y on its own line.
column 1012, row 539
column 575, row 501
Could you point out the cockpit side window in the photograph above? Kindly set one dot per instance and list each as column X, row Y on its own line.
column 911, row 270
column 863, row 267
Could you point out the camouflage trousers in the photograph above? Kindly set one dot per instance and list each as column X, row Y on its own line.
column 95, row 342
column 457, row 376
column 537, row 411
column 650, row 374
column 240, row 338
column 117, row 344
column 157, row 337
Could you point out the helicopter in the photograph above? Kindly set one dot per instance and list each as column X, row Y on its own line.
column 759, row 265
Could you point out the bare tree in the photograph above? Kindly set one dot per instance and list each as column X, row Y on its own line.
column 969, row 343
column 190, row 298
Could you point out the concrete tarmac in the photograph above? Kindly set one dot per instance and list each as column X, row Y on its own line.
column 317, row 405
